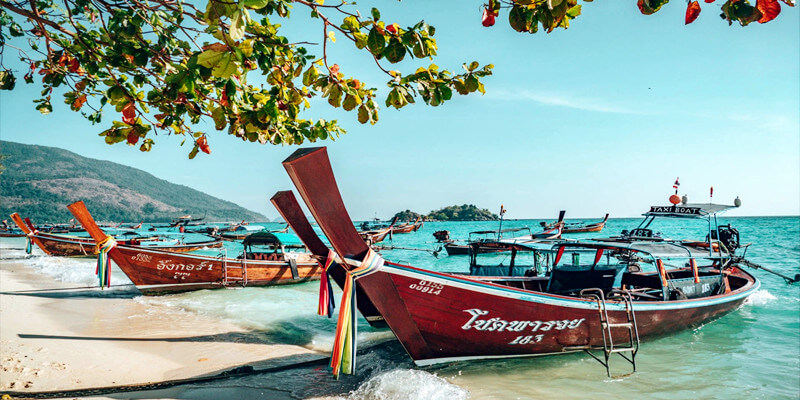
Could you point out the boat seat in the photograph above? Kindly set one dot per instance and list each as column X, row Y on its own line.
column 639, row 280
column 686, row 287
column 500, row 270
column 571, row 280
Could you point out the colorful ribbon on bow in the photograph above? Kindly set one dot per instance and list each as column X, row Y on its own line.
column 29, row 244
column 103, row 270
column 326, row 304
column 344, row 344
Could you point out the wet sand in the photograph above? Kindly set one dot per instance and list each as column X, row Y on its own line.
column 54, row 339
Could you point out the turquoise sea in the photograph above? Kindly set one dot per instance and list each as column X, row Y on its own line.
column 751, row 353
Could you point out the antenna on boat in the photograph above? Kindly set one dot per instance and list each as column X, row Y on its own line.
column 500, row 228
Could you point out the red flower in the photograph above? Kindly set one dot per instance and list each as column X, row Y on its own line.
column 692, row 11
column 488, row 17
column 769, row 9
column 129, row 114
column 132, row 138
column 202, row 144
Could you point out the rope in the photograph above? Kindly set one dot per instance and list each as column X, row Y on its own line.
column 103, row 270
column 28, row 237
column 326, row 304
column 343, row 358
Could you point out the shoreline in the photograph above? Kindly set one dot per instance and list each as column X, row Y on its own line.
column 52, row 340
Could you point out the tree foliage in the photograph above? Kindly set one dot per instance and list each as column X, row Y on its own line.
column 466, row 212
column 163, row 66
column 407, row 215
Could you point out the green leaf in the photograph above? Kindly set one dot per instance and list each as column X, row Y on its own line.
column 208, row 59
column 255, row 4
column 310, row 76
column 447, row 93
column 376, row 14
column 351, row 24
column 219, row 118
column 395, row 51
column 334, row 95
column 222, row 64
column 247, row 47
column 518, row 18
column 574, row 11
column 376, row 42
column 15, row 30
column 238, row 24
column 45, row 108
column 363, row 114
column 350, row 102
column 472, row 83
column 8, row 81
column 215, row 10
column 361, row 40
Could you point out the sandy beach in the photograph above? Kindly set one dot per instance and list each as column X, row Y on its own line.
column 55, row 339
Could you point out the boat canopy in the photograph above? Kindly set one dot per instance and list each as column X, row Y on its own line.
column 262, row 238
column 662, row 250
column 249, row 228
column 501, row 231
column 690, row 210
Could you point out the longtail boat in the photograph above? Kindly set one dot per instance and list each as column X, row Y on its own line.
column 408, row 227
column 8, row 231
column 475, row 239
column 286, row 204
column 610, row 296
column 156, row 271
column 64, row 245
column 585, row 228
column 377, row 236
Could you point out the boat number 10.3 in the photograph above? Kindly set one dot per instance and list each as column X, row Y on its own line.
column 427, row 287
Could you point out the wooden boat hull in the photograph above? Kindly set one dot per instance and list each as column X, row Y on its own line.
column 447, row 318
column 584, row 229
column 154, row 271
column 441, row 317
column 66, row 246
column 408, row 227
column 595, row 227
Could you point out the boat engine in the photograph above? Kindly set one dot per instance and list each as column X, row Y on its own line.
column 442, row 236
column 728, row 235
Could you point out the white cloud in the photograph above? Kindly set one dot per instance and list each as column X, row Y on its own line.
column 561, row 100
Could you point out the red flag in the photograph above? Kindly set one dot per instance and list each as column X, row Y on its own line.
column 712, row 192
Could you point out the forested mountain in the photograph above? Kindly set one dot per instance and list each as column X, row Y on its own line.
column 38, row 182
column 466, row 212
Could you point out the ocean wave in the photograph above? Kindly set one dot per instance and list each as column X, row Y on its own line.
column 760, row 298
column 406, row 384
column 72, row 270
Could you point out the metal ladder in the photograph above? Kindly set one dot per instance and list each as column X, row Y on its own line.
column 609, row 347
column 229, row 281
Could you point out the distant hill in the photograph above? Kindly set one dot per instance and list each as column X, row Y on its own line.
column 38, row 182
column 407, row 215
column 466, row 212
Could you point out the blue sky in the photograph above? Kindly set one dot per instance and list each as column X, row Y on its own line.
column 598, row 118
